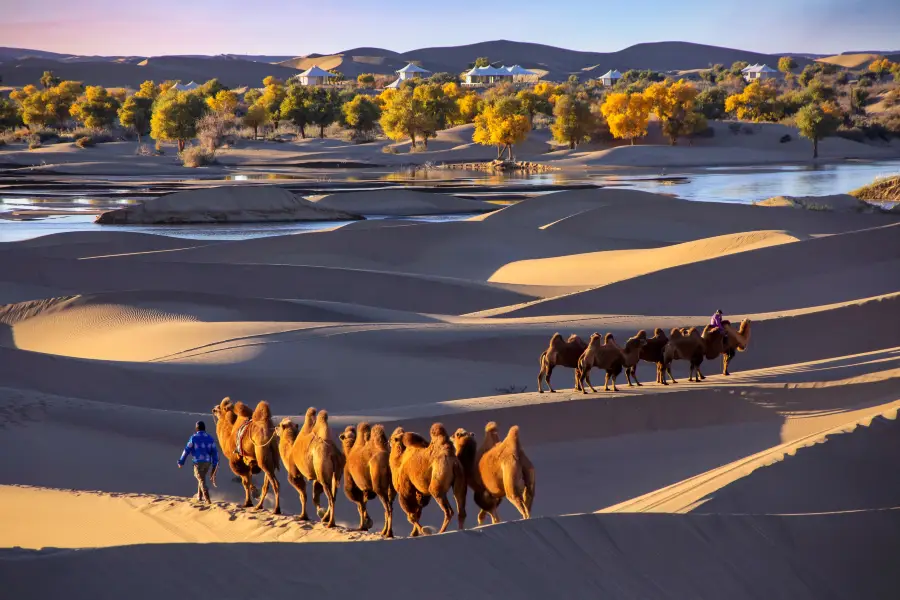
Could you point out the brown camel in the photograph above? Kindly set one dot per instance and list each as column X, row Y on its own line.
column 560, row 353
column 684, row 344
column 606, row 355
column 314, row 456
column 632, row 355
column 422, row 469
column 367, row 472
column 652, row 352
column 257, row 451
column 503, row 470
column 716, row 344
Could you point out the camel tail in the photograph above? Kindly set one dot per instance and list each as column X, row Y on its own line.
column 543, row 358
column 263, row 412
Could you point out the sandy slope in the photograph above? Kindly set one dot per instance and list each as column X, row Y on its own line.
column 401, row 203
column 115, row 344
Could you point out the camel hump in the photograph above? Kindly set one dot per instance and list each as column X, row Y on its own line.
column 675, row 333
column 608, row 338
column 556, row 339
column 321, row 428
column 512, row 438
column 378, row 436
column 658, row 331
column 642, row 334
column 573, row 338
column 414, row 439
column 263, row 412
column 242, row 410
column 492, row 426
column 438, row 431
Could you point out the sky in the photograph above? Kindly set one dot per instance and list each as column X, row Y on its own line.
column 299, row 27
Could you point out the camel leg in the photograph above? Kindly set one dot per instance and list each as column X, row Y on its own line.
column 587, row 377
column 388, row 504
column 669, row 371
column 725, row 360
column 514, row 485
column 445, row 507
column 482, row 516
column 264, row 493
column 579, row 386
column 628, row 376
column 634, row 376
column 661, row 374
column 547, row 376
column 317, row 497
column 299, row 484
column 495, row 517
column 700, row 374
column 328, row 518
column 459, row 495
column 245, row 480
column 541, row 381
column 413, row 510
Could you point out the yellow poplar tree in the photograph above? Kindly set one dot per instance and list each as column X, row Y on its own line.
column 755, row 103
column 675, row 105
column 502, row 124
column 627, row 115
column 97, row 108
column 223, row 103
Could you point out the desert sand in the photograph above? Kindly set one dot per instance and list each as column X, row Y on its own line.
column 777, row 481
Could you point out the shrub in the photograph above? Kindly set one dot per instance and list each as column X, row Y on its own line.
column 197, row 156
column 98, row 136
column 2, row 142
column 43, row 134
column 85, row 142
column 34, row 141
column 389, row 150
column 211, row 132
column 541, row 121
column 143, row 150
column 785, row 138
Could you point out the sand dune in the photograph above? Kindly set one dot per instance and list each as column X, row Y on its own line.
column 400, row 203
column 113, row 344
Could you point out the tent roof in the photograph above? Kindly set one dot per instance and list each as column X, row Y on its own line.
column 315, row 71
column 394, row 85
column 411, row 68
column 611, row 74
column 488, row 71
column 517, row 70
column 758, row 69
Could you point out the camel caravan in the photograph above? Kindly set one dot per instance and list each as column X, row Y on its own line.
column 602, row 352
column 406, row 466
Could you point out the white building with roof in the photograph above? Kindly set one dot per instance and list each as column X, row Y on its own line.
column 410, row 71
column 314, row 76
column 186, row 87
column 478, row 76
column 758, row 72
column 611, row 77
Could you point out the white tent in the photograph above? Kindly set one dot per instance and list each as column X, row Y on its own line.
column 754, row 72
column 410, row 71
column 487, row 75
column 610, row 77
column 314, row 76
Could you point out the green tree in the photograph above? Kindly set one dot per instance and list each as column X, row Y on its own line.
column 738, row 66
column 49, row 80
column 573, row 121
column 175, row 117
column 786, row 64
column 858, row 98
column 135, row 114
column 324, row 108
column 252, row 96
column 711, row 102
column 295, row 108
column 439, row 110
column 401, row 115
column 211, row 88
column 533, row 103
column 47, row 107
column 224, row 103
column 482, row 61
column 256, row 117
column 442, row 78
column 365, row 80
column 361, row 114
column 9, row 114
column 96, row 108
column 817, row 121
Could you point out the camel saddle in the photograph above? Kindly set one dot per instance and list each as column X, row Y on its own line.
column 241, row 434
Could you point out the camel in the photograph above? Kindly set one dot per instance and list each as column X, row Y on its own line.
column 632, row 355
column 560, row 353
column 737, row 341
column 313, row 455
column 422, row 469
column 651, row 352
column 684, row 344
column 256, row 453
column 496, row 470
column 607, row 356
column 367, row 472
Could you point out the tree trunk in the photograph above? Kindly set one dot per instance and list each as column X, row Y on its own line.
column 571, row 144
column 303, row 131
column 511, row 157
column 500, row 150
column 321, row 132
column 815, row 147
column 181, row 145
column 632, row 141
column 255, row 132
column 425, row 142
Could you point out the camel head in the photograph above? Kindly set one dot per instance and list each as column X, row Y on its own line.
column 596, row 339
column 635, row 344
column 439, row 434
column 491, row 432
column 348, row 438
column 461, row 438
column 287, row 426
column 397, row 438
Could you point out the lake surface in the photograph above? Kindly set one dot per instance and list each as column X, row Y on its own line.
column 727, row 184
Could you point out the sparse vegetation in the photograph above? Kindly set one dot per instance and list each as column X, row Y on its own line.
column 196, row 156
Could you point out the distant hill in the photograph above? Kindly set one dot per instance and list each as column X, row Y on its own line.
column 858, row 60
column 230, row 71
column 22, row 66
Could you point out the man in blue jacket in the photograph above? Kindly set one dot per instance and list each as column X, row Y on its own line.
column 202, row 447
